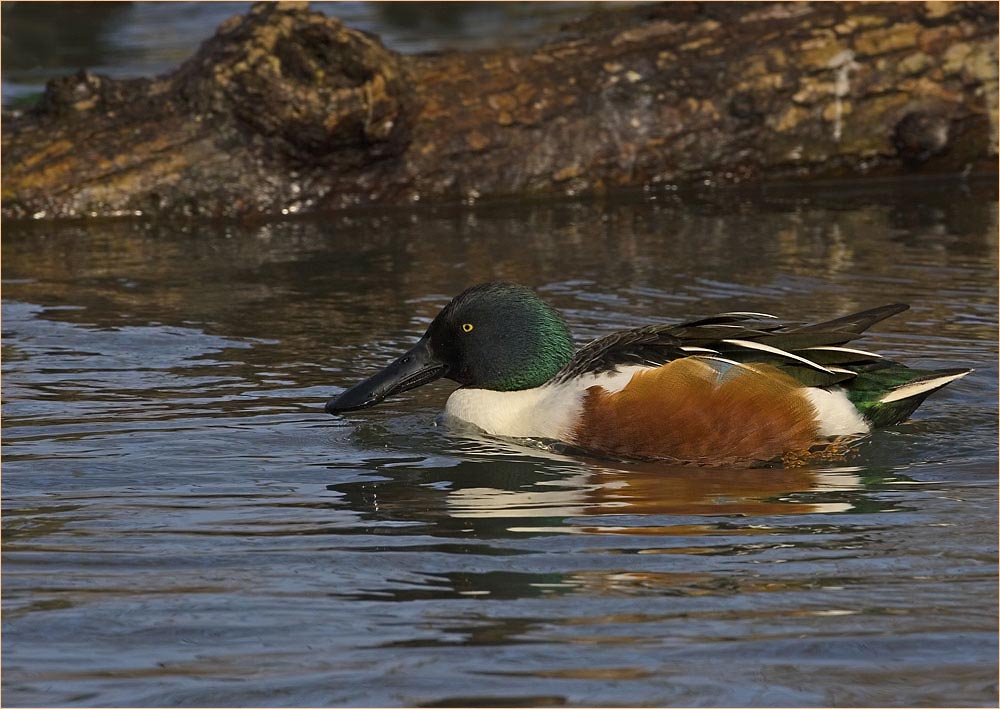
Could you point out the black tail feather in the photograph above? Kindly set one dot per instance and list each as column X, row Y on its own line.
column 855, row 323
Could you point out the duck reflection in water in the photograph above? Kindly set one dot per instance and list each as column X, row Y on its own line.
column 652, row 490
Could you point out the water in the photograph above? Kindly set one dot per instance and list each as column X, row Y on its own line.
column 183, row 525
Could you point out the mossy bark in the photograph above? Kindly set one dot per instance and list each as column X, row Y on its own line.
column 286, row 110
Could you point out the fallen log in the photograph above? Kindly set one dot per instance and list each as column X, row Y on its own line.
column 286, row 110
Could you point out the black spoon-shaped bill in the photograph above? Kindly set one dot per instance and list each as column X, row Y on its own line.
column 417, row 367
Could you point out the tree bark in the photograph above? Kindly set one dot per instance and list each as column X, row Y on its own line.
column 286, row 110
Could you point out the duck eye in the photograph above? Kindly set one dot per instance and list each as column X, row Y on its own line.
column 467, row 327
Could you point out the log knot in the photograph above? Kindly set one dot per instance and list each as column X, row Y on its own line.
column 920, row 136
column 304, row 79
column 82, row 94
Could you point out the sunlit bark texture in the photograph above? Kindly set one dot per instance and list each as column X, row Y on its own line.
column 287, row 110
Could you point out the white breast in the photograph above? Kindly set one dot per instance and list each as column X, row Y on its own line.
column 548, row 411
column 542, row 412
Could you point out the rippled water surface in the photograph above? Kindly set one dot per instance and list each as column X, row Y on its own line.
column 183, row 525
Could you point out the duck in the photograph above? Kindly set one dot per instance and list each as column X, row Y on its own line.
column 736, row 388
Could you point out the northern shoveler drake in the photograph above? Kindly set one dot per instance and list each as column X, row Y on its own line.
column 737, row 387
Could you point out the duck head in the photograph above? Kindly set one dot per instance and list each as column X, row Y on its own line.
column 497, row 336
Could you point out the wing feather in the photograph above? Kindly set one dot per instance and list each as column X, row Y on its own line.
column 812, row 354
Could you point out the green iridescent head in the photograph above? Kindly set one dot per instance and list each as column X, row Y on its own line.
column 500, row 336
column 497, row 336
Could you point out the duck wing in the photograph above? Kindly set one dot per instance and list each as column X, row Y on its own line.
column 812, row 354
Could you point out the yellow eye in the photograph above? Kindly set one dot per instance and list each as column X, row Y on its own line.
column 467, row 327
